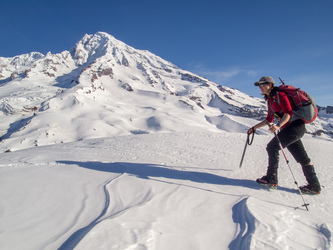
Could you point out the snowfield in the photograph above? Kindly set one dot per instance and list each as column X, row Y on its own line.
column 161, row 191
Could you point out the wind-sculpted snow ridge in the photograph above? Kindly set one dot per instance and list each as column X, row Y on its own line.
column 76, row 237
column 283, row 229
column 116, row 203
column 246, row 225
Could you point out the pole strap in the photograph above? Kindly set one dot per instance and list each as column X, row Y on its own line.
column 248, row 137
column 248, row 142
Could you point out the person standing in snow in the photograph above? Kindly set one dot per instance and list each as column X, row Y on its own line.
column 290, row 134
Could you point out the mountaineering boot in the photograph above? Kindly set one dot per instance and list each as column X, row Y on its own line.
column 313, row 186
column 269, row 180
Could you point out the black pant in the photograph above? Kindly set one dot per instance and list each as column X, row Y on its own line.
column 290, row 138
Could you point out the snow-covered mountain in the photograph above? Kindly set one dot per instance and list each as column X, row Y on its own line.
column 103, row 87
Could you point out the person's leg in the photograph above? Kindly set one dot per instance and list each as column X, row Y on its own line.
column 299, row 153
column 287, row 136
column 312, row 179
column 273, row 161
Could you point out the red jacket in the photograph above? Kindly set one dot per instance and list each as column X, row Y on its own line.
column 284, row 107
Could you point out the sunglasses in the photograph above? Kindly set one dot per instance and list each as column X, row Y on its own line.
column 262, row 84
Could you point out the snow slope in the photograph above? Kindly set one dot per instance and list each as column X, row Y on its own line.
column 161, row 191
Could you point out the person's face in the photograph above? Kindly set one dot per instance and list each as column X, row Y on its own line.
column 266, row 88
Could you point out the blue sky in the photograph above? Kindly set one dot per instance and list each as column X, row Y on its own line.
column 232, row 42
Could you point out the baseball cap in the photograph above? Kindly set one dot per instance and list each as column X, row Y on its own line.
column 264, row 79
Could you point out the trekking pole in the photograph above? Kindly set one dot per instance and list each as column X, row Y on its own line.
column 280, row 145
column 246, row 143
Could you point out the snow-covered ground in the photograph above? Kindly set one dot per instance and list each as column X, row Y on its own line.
column 161, row 191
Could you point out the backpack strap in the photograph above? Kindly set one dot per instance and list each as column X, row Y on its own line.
column 271, row 110
column 276, row 97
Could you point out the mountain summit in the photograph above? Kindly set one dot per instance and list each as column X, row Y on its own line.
column 103, row 87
